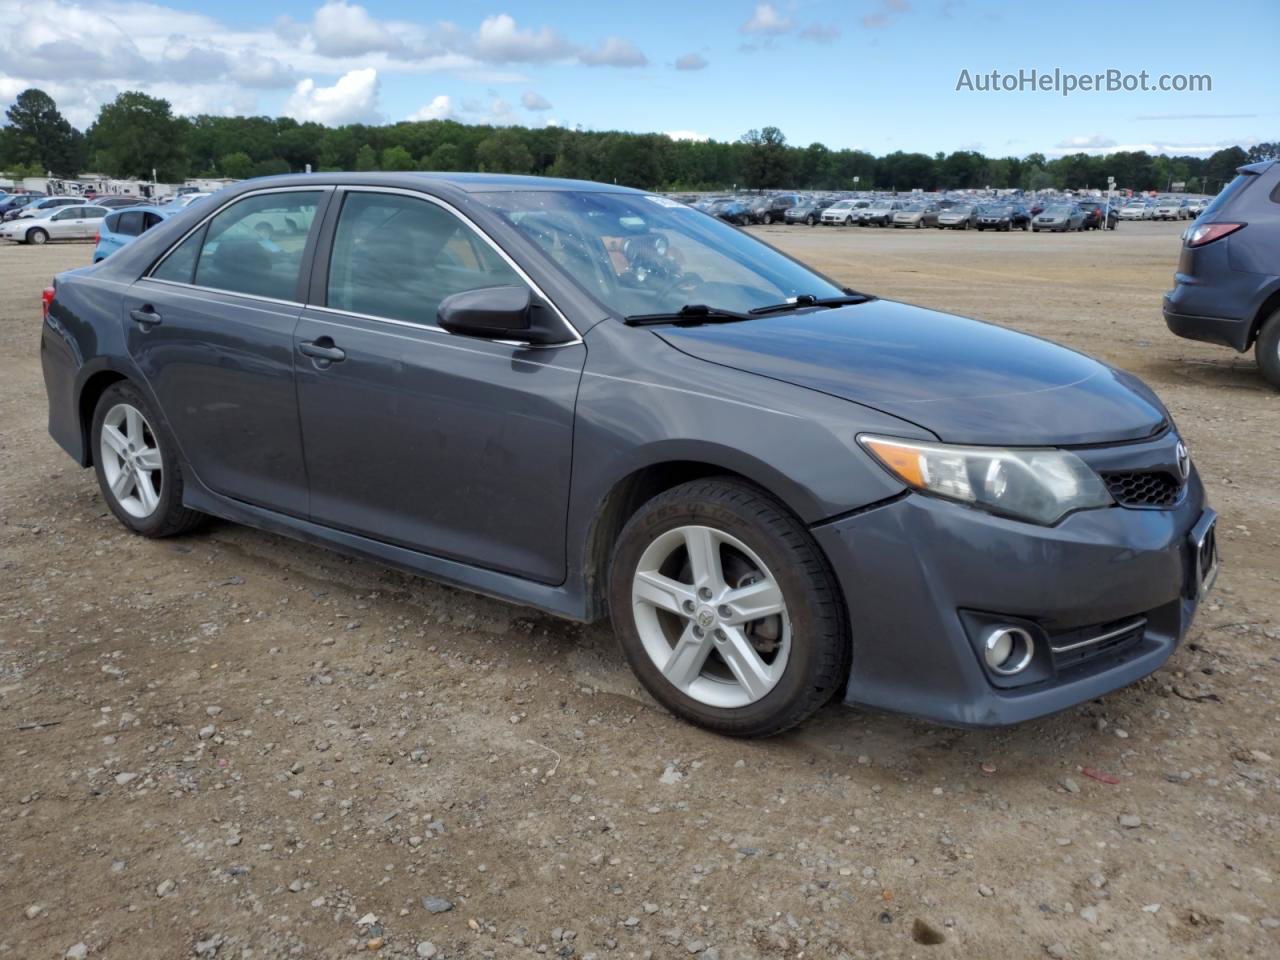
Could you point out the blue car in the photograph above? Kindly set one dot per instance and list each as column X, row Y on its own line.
column 122, row 226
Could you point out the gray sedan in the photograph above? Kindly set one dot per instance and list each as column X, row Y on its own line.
column 599, row 402
column 962, row 216
column 1060, row 218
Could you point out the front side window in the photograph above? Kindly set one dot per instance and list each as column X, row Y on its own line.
column 397, row 257
column 642, row 254
column 255, row 246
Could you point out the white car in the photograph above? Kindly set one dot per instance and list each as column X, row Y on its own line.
column 843, row 211
column 60, row 223
column 1135, row 210
column 1170, row 209
column 41, row 206
column 185, row 200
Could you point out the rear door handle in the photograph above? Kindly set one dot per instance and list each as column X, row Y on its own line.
column 322, row 349
column 147, row 316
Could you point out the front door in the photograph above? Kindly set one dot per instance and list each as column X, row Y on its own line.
column 211, row 328
column 450, row 445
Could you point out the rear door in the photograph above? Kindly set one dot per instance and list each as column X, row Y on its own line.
column 211, row 328
column 450, row 445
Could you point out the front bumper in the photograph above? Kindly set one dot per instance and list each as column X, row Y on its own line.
column 917, row 572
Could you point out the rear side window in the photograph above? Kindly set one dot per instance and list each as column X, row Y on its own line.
column 149, row 220
column 1233, row 188
column 255, row 246
column 129, row 224
column 397, row 257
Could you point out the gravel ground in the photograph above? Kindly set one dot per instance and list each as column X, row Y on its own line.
column 230, row 745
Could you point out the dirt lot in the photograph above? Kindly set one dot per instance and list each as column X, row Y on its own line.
column 231, row 745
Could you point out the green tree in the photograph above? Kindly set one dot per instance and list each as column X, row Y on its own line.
column 1220, row 168
column 366, row 159
column 447, row 156
column 504, row 152
column 271, row 167
column 237, row 165
column 38, row 134
column 765, row 163
column 397, row 158
column 135, row 134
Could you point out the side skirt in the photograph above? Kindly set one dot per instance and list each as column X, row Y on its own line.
column 559, row 601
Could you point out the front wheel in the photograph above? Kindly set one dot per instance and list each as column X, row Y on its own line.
column 767, row 219
column 37, row 236
column 137, row 467
column 727, row 610
column 1267, row 349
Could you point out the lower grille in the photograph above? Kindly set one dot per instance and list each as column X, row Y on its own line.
column 1073, row 649
column 1156, row 488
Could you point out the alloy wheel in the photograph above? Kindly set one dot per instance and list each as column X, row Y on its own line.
column 131, row 460
column 711, row 616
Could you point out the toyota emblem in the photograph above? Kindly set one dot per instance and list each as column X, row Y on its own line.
column 1184, row 460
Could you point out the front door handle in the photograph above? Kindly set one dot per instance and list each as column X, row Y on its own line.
column 322, row 349
column 147, row 316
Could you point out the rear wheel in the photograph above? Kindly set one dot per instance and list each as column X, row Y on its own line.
column 136, row 465
column 767, row 219
column 37, row 236
column 1267, row 349
column 726, row 609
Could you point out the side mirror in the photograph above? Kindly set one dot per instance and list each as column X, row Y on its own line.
column 496, row 313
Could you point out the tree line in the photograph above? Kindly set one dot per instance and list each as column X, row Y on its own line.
column 136, row 134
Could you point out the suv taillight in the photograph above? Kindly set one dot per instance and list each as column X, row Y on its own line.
column 46, row 298
column 1209, row 232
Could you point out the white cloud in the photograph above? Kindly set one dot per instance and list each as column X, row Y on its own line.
column 353, row 99
column 341, row 29
column 1106, row 145
column 767, row 20
column 440, row 108
column 888, row 12
column 614, row 52
column 820, row 32
column 1095, row 141
column 691, row 61
column 686, row 135
column 535, row 101
column 501, row 40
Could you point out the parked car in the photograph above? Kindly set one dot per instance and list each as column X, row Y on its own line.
column 1196, row 206
column 1170, row 208
column 879, row 213
column 55, row 223
column 918, row 214
column 39, row 205
column 1003, row 216
column 1227, row 286
column 731, row 211
column 807, row 211
column 1061, row 218
column 1136, row 210
column 843, row 212
column 13, row 201
column 120, row 227
column 960, row 216
column 774, row 209
column 456, row 375
column 120, row 200
column 1095, row 212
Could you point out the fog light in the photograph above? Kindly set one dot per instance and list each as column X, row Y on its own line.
column 1008, row 650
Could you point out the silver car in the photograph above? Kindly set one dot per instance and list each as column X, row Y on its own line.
column 59, row 223
column 962, row 216
column 1170, row 208
column 1059, row 218
column 917, row 215
column 1136, row 210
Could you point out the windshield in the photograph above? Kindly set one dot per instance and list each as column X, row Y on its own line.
column 643, row 254
column 1057, row 211
column 994, row 210
column 961, row 208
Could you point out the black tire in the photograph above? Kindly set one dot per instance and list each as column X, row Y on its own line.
column 767, row 219
column 818, row 665
column 1267, row 349
column 810, row 220
column 36, row 236
column 848, row 221
column 170, row 517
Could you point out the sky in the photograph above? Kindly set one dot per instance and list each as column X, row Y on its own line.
column 876, row 75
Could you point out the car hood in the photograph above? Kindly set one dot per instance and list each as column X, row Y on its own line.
column 963, row 380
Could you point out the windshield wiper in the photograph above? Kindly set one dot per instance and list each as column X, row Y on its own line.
column 809, row 300
column 689, row 315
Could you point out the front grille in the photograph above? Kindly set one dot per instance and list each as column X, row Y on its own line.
column 1152, row 488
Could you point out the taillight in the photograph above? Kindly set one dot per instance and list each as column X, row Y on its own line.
column 46, row 298
column 97, row 236
column 1209, row 232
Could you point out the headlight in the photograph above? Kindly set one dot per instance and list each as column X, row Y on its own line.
column 1039, row 485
